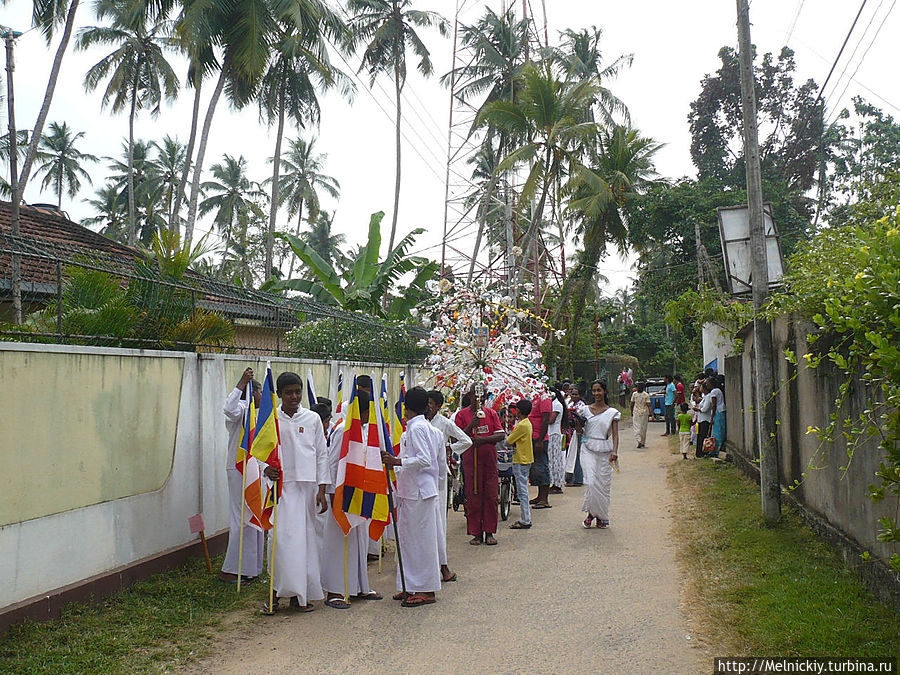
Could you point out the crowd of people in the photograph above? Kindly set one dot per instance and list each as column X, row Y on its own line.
column 568, row 437
column 697, row 418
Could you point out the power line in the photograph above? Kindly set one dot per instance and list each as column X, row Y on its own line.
column 838, row 57
column 853, row 53
column 865, row 53
column 793, row 24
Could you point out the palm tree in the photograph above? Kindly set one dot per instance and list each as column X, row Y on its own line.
column 499, row 46
column 303, row 178
column 299, row 66
column 232, row 197
column 145, row 181
column 61, row 161
column 47, row 15
column 620, row 168
column 167, row 170
column 139, row 75
column 389, row 26
column 111, row 212
column 579, row 58
column 319, row 237
column 546, row 121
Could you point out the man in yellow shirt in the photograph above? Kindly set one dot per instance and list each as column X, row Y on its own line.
column 523, row 458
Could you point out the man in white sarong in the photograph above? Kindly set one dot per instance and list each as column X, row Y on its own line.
column 304, row 472
column 461, row 442
column 417, row 491
column 252, row 562
column 357, row 581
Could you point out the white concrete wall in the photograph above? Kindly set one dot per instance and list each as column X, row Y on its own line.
column 45, row 553
column 717, row 344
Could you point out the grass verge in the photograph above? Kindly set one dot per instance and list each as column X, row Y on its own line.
column 757, row 590
column 153, row 626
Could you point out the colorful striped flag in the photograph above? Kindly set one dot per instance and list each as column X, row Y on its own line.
column 340, row 393
column 253, row 490
column 266, row 440
column 361, row 492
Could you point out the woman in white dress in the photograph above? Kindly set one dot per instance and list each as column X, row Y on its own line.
column 599, row 450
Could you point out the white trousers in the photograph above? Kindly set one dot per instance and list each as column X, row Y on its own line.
column 442, row 520
column 417, row 525
column 597, row 482
column 296, row 557
column 333, row 558
column 252, row 561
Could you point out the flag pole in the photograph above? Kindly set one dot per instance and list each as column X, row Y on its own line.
column 396, row 534
column 346, row 574
column 274, row 542
column 248, row 388
column 380, row 551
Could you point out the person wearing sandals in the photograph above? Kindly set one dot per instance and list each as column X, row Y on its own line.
column 357, row 540
column 460, row 443
column 417, row 493
column 599, row 450
column 235, row 410
column 523, row 457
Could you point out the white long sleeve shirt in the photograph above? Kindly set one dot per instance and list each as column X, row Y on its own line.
column 420, row 449
column 449, row 430
column 304, row 453
column 235, row 410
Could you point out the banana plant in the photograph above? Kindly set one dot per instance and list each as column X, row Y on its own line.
column 362, row 285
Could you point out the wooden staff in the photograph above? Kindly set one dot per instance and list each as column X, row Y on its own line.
column 206, row 552
column 393, row 508
column 274, row 541
column 241, row 537
column 346, row 565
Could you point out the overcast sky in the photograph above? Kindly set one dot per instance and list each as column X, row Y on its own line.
column 674, row 45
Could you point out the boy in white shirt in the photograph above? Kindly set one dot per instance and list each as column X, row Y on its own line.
column 417, row 492
column 305, row 475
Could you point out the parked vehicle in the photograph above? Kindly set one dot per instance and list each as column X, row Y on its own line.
column 656, row 387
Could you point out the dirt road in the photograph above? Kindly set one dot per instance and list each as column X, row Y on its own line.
column 556, row 598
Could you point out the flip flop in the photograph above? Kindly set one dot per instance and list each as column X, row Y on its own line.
column 400, row 596
column 541, row 506
column 295, row 606
column 490, row 542
column 371, row 595
column 452, row 577
column 417, row 601
column 337, row 603
column 475, row 542
column 519, row 525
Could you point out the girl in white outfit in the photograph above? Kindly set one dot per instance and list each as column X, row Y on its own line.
column 599, row 449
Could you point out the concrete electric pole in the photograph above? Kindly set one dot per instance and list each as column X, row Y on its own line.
column 762, row 335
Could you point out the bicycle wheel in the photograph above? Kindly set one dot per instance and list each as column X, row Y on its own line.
column 505, row 499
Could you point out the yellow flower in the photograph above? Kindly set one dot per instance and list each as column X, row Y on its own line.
column 859, row 275
column 864, row 249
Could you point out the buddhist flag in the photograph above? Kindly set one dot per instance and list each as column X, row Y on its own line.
column 253, row 490
column 310, row 388
column 384, row 417
column 361, row 492
column 266, row 440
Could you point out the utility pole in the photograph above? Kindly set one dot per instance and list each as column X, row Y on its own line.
column 11, row 36
column 762, row 336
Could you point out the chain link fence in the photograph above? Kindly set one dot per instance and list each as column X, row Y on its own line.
column 94, row 293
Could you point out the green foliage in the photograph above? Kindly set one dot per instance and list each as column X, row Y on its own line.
column 363, row 286
column 705, row 306
column 390, row 342
column 769, row 589
column 157, row 625
column 847, row 281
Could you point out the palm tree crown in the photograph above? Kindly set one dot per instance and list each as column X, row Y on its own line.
column 61, row 161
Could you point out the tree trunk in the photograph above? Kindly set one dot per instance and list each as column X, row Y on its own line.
column 397, row 167
column 276, row 166
column 45, row 106
column 188, row 155
column 535, row 223
column 299, row 223
column 132, row 231
column 201, row 151
column 59, row 186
